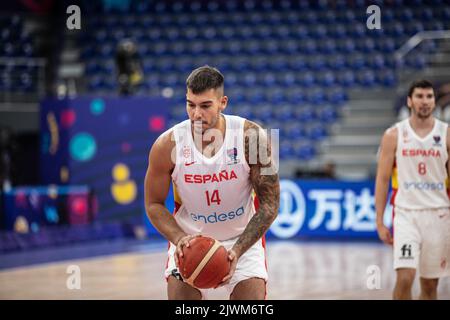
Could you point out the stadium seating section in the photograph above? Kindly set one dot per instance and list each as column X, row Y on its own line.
column 285, row 62
column 16, row 42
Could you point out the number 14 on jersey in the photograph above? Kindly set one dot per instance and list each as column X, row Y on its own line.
column 213, row 197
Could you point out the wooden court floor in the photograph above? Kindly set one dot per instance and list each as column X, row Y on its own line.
column 297, row 270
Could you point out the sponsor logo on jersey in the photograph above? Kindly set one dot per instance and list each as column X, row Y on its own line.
column 423, row 185
column 437, row 141
column 232, row 156
column 223, row 175
column 217, row 217
column 421, row 153
column 405, row 137
column 187, row 152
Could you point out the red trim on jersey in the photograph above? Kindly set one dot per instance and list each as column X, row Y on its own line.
column 394, row 194
column 394, row 190
column 256, row 203
column 177, row 207
column 393, row 216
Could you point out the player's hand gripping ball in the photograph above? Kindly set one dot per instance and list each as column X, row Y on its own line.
column 204, row 263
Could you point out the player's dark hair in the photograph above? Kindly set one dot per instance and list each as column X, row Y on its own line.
column 424, row 84
column 205, row 78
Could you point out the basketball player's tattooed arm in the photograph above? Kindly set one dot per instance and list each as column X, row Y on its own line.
column 156, row 188
column 265, row 181
column 386, row 159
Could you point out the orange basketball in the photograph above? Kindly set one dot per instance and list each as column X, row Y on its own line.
column 204, row 263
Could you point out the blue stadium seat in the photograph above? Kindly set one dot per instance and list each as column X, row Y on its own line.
column 326, row 79
column 416, row 61
column 377, row 61
column 105, row 50
column 304, row 113
column 326, row 114
column 8, row 50
column 254, row 95
column 286, row 150
column 357, row 30
column 347, row 46
column 346, row 78
column 387, row 45
column 236, row 95
column 337, row 96
column 338, row 31
column 307, row 79
column 317, row 63
column 309, row 47
column 414, row 27
column 386, row 78
column 290, row 47
column 287, row 79
column 406, row 15
column 293, row 130
column 318, row 31
column 239, row 64
column 304, row 150
column 249, row 79
column 297, row 63
column 336, row 62
column 327, row 46
column 316, row 131
column 299, row 32
column 281, row 32
column 275, row 95
column 262, row 112
column 270, row 47
column 356, row 61
column 329, row 17
column 5, row 81
column 278, row 63
column 316, row 96
column 283, row 113
column 295, row 96
column 396, row 29
column 366, row 45
column 244, row 111
column 268, row 79
column 388, row 15
column 366, row 78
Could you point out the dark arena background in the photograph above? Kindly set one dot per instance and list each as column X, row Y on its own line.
column 86, row 87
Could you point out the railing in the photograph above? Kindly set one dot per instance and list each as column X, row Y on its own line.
column 410, row 45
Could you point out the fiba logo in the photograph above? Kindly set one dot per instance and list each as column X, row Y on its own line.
column 292, row 211
column 406, row 251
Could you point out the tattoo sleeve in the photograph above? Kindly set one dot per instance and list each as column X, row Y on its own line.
column 266, row 186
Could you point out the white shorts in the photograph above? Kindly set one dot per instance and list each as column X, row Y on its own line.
column 252, row 264
column 422, row 241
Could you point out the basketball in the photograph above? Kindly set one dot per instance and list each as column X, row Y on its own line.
column 204, row 263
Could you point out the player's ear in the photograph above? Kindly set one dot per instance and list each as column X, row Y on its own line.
column 409, row 102
column 223, row 103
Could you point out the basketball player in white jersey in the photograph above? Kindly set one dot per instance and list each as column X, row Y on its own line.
column 210, row 160
column 414, row 153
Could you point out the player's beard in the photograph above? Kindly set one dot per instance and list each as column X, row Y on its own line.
column 202, row 126
column 424, row 113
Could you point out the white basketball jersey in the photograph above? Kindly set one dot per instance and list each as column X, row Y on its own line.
column 420, row 175
column 213, row 196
